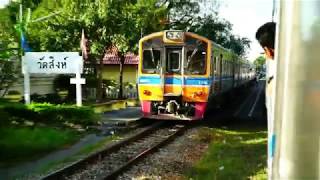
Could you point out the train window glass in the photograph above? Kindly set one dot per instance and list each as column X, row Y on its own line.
column 151, row 61
column 173, row 61
column 224, row 67
column 221, row 67
column 227, row 70
column 215, row 66
column 195, row 62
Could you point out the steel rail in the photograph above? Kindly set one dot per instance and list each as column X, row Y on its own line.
column 81, row 164
column 143, row 154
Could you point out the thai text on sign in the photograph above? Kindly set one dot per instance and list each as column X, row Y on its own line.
column 52, row 62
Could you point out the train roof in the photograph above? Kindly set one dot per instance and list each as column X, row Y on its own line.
column 215, row 45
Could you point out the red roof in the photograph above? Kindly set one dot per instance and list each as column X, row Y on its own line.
column 111, row 57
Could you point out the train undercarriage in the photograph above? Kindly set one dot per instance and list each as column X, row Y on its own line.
column 173, row 107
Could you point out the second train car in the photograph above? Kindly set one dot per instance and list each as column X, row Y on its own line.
column 180, row 71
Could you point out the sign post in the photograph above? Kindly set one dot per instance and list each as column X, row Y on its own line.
column 52, row 63
column 78, row 81
column 26, row 82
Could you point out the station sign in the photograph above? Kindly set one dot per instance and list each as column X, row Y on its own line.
column 52, row 63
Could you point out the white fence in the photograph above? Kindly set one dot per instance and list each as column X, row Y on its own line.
column 112, row 92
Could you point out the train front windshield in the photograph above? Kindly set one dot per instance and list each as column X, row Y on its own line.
column 189, row 57
column 151, row 61
column 195, row 59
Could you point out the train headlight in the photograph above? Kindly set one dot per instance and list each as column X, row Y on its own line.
column 174, row 35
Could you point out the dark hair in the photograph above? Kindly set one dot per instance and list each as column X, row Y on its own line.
column 266, row 35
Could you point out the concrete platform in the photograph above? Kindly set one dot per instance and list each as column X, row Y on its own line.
column 125, row 116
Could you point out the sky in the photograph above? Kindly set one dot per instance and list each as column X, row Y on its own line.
column 3, row 2
column 247, row 16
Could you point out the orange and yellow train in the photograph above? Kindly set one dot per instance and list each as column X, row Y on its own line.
column 178, row 72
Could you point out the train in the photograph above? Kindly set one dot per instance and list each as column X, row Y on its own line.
column 179, row 73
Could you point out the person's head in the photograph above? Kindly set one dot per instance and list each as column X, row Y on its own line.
column 266, row 37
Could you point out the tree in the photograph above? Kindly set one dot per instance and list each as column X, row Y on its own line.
column 238, row 45
column 213, row 28
column 259, row 62
column 105, row 23
column 9, row 61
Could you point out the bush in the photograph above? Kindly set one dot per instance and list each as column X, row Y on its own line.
column 70, row 113
column 5, row 118
column 19, row 112
column 109, row 82
column 53, row 98
column 91, row 82
column 48, row 113
column 62, row 83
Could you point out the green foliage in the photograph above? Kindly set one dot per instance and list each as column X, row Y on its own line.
column 104, row 22
column 8, row 74
column 181, row 14
column 91, row 81
column 62, row 83
column 232, row 154
column 259, row 62
column 49, row 114
column 19, row 112
column 9, row 49
column 25, row 143
column 5, row 117
column 109, row 82
column 53, row 98
column 73, row 114
column 219, row 31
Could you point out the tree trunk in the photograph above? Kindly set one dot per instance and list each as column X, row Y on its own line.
column 99, row 84
column 122, row 58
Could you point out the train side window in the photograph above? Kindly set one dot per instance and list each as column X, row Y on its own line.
column 215, row 66
column 228, row 68
column 225, row 67
column 222, row 67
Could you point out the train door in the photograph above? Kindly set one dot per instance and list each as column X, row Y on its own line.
column 172, row 71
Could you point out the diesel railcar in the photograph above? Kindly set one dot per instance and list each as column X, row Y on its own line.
column 179, row 71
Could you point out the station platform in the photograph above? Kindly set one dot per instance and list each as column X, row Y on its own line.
column 122, row 116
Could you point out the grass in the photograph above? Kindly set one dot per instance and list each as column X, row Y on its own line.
column 20, row 144
column 232, row 154
column 81, row 154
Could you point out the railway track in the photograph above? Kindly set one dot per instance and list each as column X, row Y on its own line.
column 113, row 161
